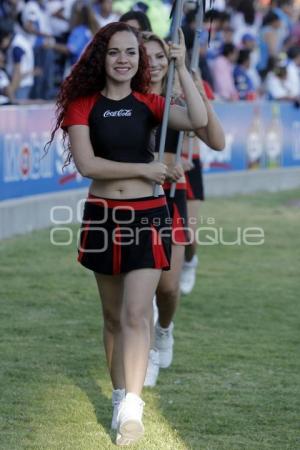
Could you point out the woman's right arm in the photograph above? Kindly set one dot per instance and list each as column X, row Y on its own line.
column 94, row 167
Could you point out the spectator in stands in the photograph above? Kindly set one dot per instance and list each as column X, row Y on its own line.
column 9, row 9
column 295, row 34
column 293, row 70
column 58, row 19
column 83, row 26
column 68, row 5
column 277, row 83
column 140, row 6
column 60, row 27
column 242, row 80
column 158, row 13
column 137, row 19
column 269, row 41
column 4, row 82
column 225, row 20
column 222, row 72
column 220, row 5
column 104, row 12
column 188, row 6
column 213, row 33
column 264, row 27
column 36, row 23
column 19, row 61
column 249, row 42
column 228, row 34
column 285, row 10
column 244, row 21
column 188, row 29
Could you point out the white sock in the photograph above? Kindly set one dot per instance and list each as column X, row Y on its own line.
column 193, row 262
column 132, row 396
column 163, row 329
column 117, row 393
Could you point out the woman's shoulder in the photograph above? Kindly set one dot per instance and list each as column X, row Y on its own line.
column 154, row 102
column 147, row 96
column 85, row 101
column 78, row 110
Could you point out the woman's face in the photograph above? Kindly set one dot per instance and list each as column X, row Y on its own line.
column 158, row 61
column 122, row 57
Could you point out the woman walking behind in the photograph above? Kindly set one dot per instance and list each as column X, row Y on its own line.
column 213, row 135
column 107, row 117
column 167, row 294
column 168, row 291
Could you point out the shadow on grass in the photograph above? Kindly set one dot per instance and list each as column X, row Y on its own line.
column 101, row 404
column 83, row 363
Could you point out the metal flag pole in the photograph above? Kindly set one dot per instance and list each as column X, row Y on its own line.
column 177, row 11
column 195, row 61
column 193, row 67
column 177, row 160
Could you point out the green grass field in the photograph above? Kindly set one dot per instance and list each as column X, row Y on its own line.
column 235, row 380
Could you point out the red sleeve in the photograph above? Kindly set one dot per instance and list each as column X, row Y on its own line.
column 208, row 90
column 156, row 104
column 78, row 112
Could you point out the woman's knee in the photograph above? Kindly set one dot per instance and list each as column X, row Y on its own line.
column 112, row 320
column 135, row 317
column 168, row 292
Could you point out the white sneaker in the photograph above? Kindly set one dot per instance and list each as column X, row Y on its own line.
column 155, row 310
column 152, row 369
column 117, row 397
column 164, row 342
column 130, row 426
column 188, row 275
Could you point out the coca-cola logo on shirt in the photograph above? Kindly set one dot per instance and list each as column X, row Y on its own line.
column 120, row 113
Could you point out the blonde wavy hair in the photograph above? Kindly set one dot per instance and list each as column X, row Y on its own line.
column 148, row 36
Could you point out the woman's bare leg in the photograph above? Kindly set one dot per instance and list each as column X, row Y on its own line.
column 168, row 291
column 139, row 289
column 193, row 213
column 111, row 289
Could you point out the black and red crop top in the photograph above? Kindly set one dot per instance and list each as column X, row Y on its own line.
column 120, row 130
column 171, row 140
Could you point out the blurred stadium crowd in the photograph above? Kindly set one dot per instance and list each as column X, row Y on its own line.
column 249, row 49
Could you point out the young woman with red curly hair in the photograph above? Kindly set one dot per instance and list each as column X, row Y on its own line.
column 107, row 114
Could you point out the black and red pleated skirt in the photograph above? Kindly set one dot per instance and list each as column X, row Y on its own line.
column 178, row 212
column 118, row 236
column 194, row 180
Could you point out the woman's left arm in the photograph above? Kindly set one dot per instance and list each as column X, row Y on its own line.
column 195, row 115
column 213, row 134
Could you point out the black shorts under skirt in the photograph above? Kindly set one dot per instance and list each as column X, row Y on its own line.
column 194, row 180
column 118, row 236
column 178, row 212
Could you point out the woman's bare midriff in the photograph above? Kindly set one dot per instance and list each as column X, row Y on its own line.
column 123, row 189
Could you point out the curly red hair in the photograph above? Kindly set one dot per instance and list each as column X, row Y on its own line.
column 88, row 75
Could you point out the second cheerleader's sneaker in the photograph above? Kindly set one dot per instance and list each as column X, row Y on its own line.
column 130, row 426
column 188, row 275
column 117, row 396
column 164, row 342
column 152, row 369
